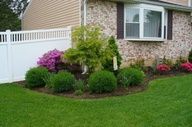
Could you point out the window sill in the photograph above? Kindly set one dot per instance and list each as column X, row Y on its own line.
column 147, row 39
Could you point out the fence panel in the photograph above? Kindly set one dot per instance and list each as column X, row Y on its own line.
column 4, row 72
column 20, row 51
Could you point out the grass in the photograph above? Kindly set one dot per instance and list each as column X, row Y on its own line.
column 167, row 103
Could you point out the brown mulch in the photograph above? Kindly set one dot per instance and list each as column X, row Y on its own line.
column 118, row 92
column 88, row 95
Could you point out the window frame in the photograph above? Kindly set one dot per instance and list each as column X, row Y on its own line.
column 190, row 3
column 141, row 8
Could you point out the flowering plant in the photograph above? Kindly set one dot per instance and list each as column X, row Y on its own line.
column 163, row 68
column 187, row 67
column 50, row 60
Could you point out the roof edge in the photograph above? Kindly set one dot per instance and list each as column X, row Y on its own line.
column 166, row 5
column 27, row 8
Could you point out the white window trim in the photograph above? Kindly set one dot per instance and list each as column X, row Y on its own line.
column 190, row 3
column 141, row 16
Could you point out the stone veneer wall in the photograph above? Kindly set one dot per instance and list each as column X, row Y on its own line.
column 104, row 14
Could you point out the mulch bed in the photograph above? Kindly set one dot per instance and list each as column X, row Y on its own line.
column 118, row 92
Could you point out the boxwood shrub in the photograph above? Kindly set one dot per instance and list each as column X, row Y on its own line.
column 130, row 76
column 102, row 81
column 35, row 77
column 63, row 81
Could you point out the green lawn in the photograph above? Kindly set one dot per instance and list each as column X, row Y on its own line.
column 167, row 103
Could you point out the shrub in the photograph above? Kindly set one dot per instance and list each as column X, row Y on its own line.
column 186, row 67
column 63, row 81
column 90, row 48
column 112, row 45
column 130, row 76
column 79, row 85
column 78, row 92
column 102, row 81
column 50, row 60
column 162, row 68
column 179, row 61
column 139, row 64
column 35, row 77
column 190, row 56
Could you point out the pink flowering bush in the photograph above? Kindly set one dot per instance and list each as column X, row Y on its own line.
column 162, row 68
column 186, row 67
column 50, row 60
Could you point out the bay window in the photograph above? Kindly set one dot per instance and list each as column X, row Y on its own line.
column 144, row 22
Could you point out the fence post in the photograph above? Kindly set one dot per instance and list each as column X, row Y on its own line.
column 9, row 55
column 70, row 35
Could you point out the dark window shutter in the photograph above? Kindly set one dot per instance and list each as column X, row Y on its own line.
column 120, row 20
column 165, row 32
column 170, row 25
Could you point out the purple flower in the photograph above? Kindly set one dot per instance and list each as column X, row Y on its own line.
column 50, row 59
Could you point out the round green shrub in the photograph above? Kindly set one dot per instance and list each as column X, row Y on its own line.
column 102, row 81
column 130, row 76
column 63, row 81
column 35, row 77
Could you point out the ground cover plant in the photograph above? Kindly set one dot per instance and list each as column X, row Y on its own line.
column 166, row 103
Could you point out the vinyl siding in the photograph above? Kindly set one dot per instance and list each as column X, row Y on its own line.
column 46, row 14
column 180, row 2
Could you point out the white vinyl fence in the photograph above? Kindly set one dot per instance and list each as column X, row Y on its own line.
column 20, row 51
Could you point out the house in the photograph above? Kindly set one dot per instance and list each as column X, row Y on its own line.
column 144, row 28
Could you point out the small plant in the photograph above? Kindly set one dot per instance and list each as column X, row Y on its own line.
column 186, row 67
column 112, row 45
column 36, row 77
column 163, row 68
column 167, row 62
column 139, row 64
column 63, row 81
column 190, row 56
column 179, row 61
column 79, row 85
column 102, row 81
column 50, row 60
column 130, row 76
column 78, row 92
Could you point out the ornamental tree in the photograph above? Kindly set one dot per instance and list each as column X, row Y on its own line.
column 89, row 48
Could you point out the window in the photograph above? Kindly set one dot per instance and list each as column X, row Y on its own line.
column 144, row 22
column 190, row 3
column 132, row 23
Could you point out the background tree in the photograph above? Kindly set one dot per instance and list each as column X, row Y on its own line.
column 10, row 13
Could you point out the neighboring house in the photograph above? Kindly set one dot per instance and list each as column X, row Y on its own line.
column 144, row 28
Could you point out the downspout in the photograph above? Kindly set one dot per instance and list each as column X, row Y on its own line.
column 85, row 68
column 85, row 12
